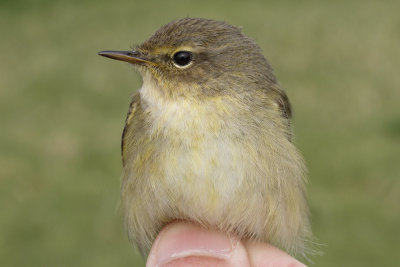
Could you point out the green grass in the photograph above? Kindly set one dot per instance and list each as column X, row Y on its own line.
column 62, row 109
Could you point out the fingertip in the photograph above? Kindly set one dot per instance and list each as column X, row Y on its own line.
column 185, row 244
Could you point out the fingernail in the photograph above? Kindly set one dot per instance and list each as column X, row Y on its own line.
column 187, row 240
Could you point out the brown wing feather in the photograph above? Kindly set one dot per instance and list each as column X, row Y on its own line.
column 282, row 102
column 131, row 113
column 284, row 105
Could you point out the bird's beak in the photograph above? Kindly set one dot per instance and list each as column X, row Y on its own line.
column 133, row 57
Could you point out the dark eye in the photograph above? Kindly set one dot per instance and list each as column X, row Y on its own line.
column 182, row 58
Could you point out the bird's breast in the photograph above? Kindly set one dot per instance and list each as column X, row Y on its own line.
column 197, row 151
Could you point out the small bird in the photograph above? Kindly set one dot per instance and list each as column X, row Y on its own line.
column 207, row 139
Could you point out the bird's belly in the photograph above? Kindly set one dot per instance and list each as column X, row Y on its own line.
column 205, row 177
column 214, row 183
column 239, row 185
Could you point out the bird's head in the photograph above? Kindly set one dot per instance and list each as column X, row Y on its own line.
column 199, row 58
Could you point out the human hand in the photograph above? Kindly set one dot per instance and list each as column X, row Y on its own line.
column 185, row 244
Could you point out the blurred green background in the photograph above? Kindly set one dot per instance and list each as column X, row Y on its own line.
column 62, row 110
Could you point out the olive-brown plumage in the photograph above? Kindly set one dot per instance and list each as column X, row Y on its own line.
column 208, row 139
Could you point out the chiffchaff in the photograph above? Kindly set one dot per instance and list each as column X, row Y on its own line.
column 208, row 139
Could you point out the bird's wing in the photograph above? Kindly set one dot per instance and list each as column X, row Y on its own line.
column 282, row 101
column 133, row 107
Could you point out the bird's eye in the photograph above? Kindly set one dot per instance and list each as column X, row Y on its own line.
column 182, row 58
